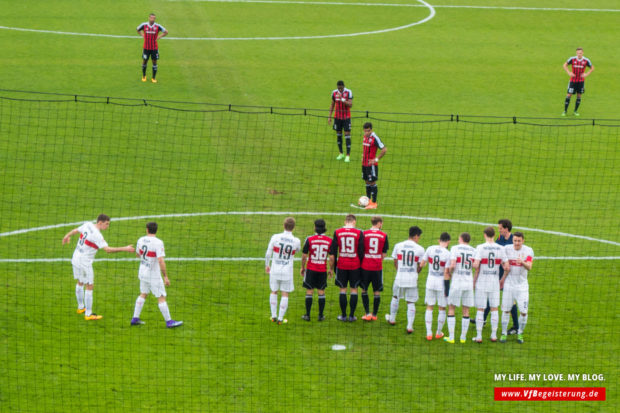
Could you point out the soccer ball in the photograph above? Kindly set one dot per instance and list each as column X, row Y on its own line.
column 363, row 201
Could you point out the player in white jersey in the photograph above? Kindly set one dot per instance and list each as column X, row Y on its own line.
column 460, row 291
column 150, row 250
column 87, row 246
column 516, row 287
column 408, row 262
column 280, row 252
column 487, row 261
column 437, row 257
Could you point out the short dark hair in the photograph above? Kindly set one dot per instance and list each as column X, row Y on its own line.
column 350, row 218
column 579, row 48
column 444, row 237
column 367, row 125
column 465, row 237
column 319, row 226
column 375, row 220
column 151, row 227
column 340, row 83
column 505, row 223
column 414, row 231
column 103, row 218
column 151, row 14
column 518, row 234
column 289, row 223
column 489, row 232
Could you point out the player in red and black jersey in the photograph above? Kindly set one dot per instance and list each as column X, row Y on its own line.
column 348, row 246
column 375, row 247
column 151, row 32
column 370, row 163
column 578, row 74
column 342, row 101
column 314, row 267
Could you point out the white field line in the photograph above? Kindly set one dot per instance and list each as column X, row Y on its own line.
column 241, row 259
column 437, row 6
column 305, row 213
column 422, row 3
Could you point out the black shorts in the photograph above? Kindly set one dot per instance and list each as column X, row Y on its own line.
column 370, row 173
column 576, row 87
column 153, row 54
column 347, row 277
column 340, row 124
column 315, row 279
column 372, row 277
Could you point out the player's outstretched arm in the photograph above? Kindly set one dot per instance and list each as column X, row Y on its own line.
column 67, row 237
column 111, row 250
column 164, row 271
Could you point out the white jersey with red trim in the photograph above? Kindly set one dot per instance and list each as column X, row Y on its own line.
column 281, row 250
column 409, row 254
column 517, row 277
column 437, row 257
column 463, row 257
column 89, row 243
column 150, row 249
column 491, row 257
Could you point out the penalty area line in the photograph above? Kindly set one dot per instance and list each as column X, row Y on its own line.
column 245, row 259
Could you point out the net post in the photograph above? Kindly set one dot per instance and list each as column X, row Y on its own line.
column 514, row 120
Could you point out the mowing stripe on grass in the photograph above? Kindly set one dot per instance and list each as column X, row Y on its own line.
column 279, row 213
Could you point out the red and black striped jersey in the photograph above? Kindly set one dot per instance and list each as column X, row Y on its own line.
column 375, row 245
column 578, row 66
column 342, row 111
column 317, row 247
column 371, row 144
column 348, row 244
column 150, row 33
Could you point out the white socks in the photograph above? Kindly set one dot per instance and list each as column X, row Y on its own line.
column 411, row 315
column 88, row 299
column 505, row 320
column 464, row 328
column 428, row 319
column 451, row 325
column 441, row 319
column 138, row 309
column 479, row 324
column 393, row 309
column 273, row 302
column 494, row 322
column 165, row 311
column 283, row 307
column 79, row 294
column 522, row 323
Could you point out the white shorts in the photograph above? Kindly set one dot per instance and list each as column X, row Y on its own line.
column 154, row 286
column 483, row 296
column 409, row 294
column 521, row 297
column 458, row 297
column 84, row 273
column 433, row 297
column 287, row 286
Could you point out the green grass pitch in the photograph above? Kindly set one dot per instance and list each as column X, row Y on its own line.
column 66, row 162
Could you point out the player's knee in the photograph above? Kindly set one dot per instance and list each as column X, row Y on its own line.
column 309, row 292
column 284, row 294
column 395, row 297
column 321, row 293
column 143, row 295
column 161, row 299
column 430, row 307
column 377, row 293
column 493, row 308
column 523, row 314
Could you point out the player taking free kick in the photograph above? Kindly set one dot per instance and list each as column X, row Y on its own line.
column 280, row 252
column 150, row 250
column 370, row 163
column 88, row 244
